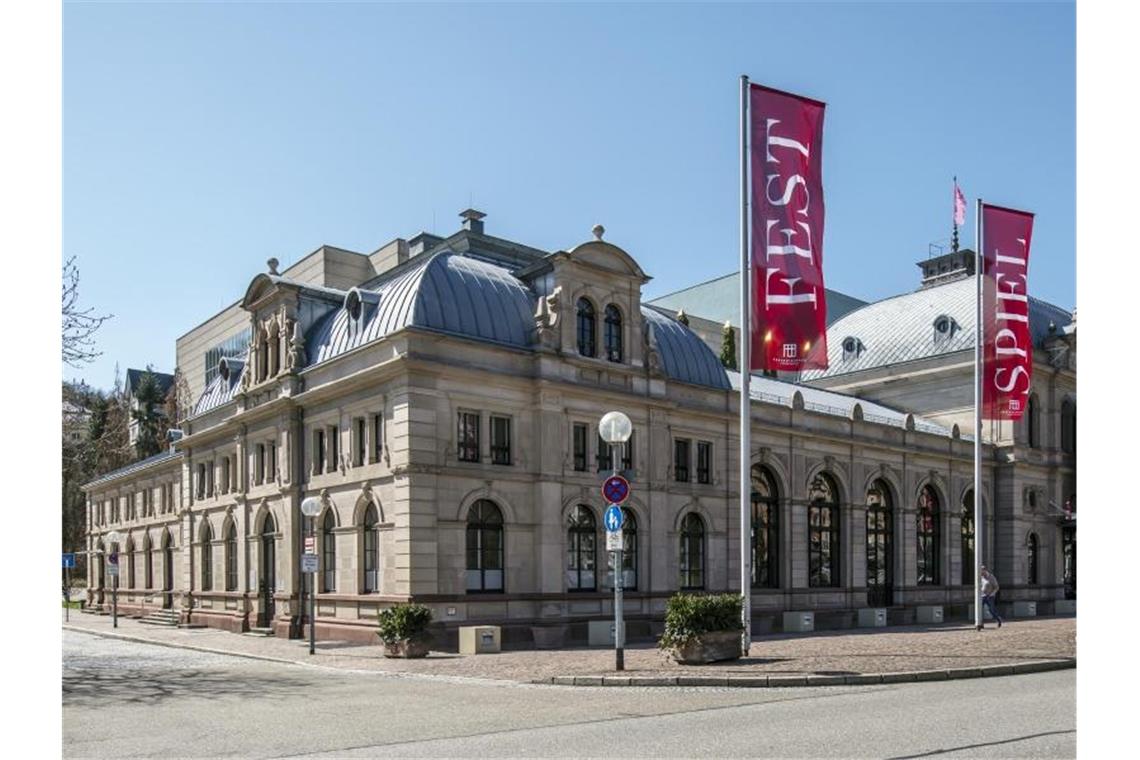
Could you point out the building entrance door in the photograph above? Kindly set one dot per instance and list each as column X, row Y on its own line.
column 167, row 572
column 268, row 582
column 880, row 567
column 1069, row 554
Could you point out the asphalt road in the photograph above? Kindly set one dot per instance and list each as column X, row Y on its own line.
column 124, row 699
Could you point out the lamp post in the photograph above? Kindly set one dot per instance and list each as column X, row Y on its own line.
column 311, row 507
column 114, row 538
column 615, row 429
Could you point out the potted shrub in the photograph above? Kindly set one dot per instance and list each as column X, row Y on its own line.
column 703, row 628
column 403, row 629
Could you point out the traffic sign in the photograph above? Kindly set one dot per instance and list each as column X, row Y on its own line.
column 613, row 518
column 310, row 544
column 308, row 563
column 113, row 570
column 113, row 559
column 613, row 541
column 69, row 560
column 615, row 490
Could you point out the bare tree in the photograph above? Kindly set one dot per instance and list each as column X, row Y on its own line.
column 79, row 325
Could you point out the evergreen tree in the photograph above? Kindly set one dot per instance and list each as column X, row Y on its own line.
column 148, row 416
column 728, row 347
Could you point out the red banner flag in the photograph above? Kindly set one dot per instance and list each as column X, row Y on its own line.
column 789, row 307
column 1007, row 355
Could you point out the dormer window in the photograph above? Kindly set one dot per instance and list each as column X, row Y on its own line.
column 353, row 305
column 945, row 328
column 613, row 333
column 852, row 347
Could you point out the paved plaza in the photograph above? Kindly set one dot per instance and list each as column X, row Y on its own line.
column 906, row 649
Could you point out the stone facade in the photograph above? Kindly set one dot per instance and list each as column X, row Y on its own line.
column 382, row 430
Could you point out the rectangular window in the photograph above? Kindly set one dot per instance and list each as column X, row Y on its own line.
column 259, row 468
column 226, row 475
column 681, row 460
column 468, row 437
column 334, row 449
column 627, row 453
column 271, row 461
column 201, row 491
column 360, row 442
column 581, row 434
column 318, row 452
column 704, row 462
column 605, row 456
column 210, row 479
column 377, row 437
column 500, row 440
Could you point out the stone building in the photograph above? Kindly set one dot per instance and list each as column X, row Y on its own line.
column 441, row 396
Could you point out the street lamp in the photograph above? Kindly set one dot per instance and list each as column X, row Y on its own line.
column 615, row 429
column 114, row 538
column 310, row 508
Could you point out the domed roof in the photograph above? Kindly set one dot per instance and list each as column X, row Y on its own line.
column 684, row 356
column 221, row 389
column 928, row 322
column 446, row 292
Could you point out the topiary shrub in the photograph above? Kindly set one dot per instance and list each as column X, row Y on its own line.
column 687, row 616
column 403, row 622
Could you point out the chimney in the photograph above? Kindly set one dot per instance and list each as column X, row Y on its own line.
column 473, row 220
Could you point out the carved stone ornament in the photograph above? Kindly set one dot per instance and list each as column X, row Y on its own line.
column 546, row 319
column 652, row 354
column 295, row 359
column 248, row 372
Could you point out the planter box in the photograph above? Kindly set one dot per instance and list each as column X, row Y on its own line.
column 873, row 617
column 479, row 639
column 1025, row 609
column 799, row 622
column 714, row 646
column 408, row 648
column 928, row 613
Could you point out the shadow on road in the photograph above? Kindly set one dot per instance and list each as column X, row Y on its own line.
column 89, row 686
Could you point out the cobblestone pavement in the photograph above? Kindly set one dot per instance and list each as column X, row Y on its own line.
column 848, row 652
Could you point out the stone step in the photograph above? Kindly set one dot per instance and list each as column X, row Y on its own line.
column 264, row 632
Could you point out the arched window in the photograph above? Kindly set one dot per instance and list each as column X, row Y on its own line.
column 587, row 332
column 765, row 530
column 1069, row 426
column 149, row 569
column 484, row 547
column 968, row 539
column 823, row 532
column 371, row 555
column 613, row 333
column 262, row 356
column 927, row 535
column 328, row 553
column 1032, row 423
column 207, row 558
column 581, row 548
column 1031, row 557
column 231, row 552
column 628, row 554
column 692, row 552
column 880, row 543
column 130, row 552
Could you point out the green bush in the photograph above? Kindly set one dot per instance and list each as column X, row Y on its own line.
column 689, row 615
column 402, row 622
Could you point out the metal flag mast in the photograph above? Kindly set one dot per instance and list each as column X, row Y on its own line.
column 745, row 375
column 979, row 262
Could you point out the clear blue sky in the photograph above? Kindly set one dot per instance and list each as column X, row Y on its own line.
column 201, row 139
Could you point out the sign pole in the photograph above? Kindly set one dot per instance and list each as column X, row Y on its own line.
column 67, row 593
column 745, row 376
column 619, row 582
column 115, row 600
column 312, row 594
column 979, row 528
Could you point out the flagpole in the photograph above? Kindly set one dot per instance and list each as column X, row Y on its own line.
column 745, row 376
column 979, row 528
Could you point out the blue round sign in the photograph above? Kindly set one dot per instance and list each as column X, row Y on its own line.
column 613, row 518
column 615, row 490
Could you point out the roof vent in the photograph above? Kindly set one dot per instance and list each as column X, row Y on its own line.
column 473, row 220
column 359, row 303
column 945, row 328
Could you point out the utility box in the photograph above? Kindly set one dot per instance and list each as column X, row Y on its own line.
column 929, row 613
column 873, row 617
column 479, row 639
column 799, row 622
column 601, row 633
column 1065, row 607
column 1024, row 609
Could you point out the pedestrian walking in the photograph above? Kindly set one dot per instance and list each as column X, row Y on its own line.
column 990, row 589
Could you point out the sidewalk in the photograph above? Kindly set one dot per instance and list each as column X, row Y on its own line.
column 823, row 658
